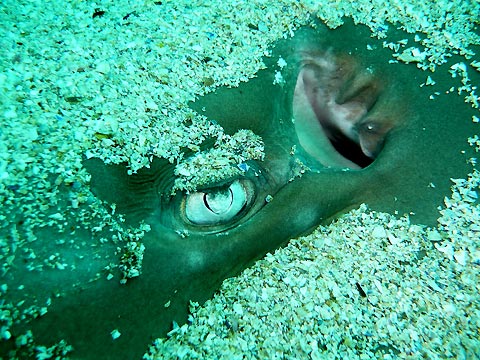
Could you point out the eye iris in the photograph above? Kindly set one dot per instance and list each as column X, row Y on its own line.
column 217, row 206
column 218, row 202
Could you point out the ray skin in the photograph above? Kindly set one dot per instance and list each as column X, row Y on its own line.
column 420, row 145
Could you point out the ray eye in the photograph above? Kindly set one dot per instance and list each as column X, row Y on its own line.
column 219, row 205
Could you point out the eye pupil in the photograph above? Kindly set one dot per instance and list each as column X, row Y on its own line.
column 218, row 205
column 218, row 202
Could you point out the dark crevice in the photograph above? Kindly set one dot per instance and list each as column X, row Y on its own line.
column 350, row 150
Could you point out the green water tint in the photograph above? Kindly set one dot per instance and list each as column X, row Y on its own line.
column 425, row 147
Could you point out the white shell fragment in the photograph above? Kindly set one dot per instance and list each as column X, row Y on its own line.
column 430, row 81
column 411, row 54
column 434, row 235
column 461, row 256
column 281, row 63
column 379, row 232
column 115, row 334
column 278, row 78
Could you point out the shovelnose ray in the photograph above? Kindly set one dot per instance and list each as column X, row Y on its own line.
column 355, row 127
